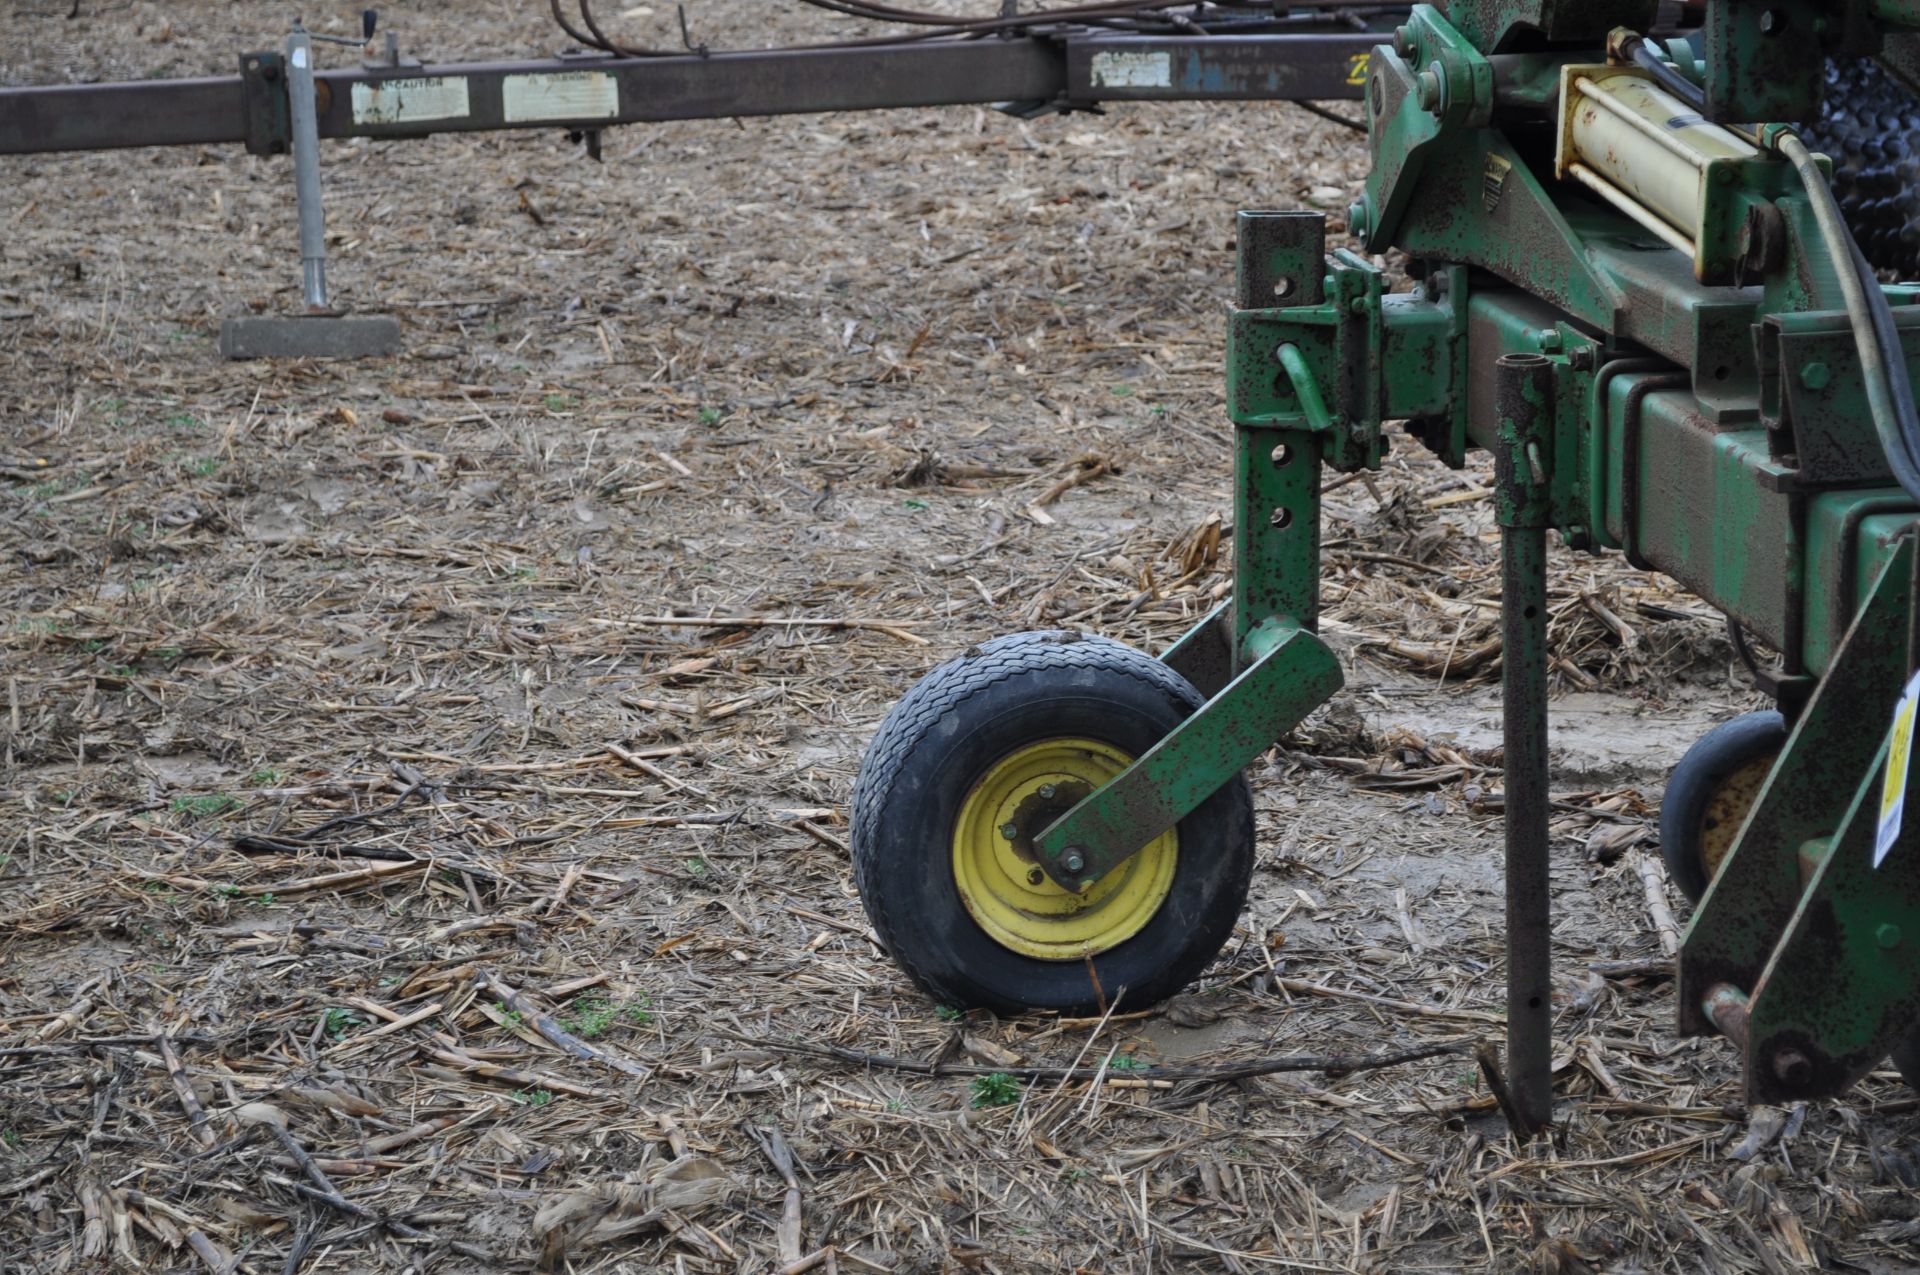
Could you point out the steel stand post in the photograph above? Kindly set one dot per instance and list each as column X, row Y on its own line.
column 306, row 169
column 320, row 331
column 1523, row 398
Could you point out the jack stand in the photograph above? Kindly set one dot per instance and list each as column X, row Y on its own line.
column 321, row 332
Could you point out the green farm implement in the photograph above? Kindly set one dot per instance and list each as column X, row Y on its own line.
column 1640, row 297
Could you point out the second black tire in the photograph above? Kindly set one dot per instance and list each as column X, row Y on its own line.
column 1710, row 792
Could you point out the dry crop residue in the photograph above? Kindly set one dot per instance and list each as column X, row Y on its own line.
column 383, row 810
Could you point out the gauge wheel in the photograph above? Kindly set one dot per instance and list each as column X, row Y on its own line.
column 1710, row 793
column 1907, row 1059
column 985, row 752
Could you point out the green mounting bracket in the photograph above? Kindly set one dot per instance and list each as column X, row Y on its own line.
column 1204, row 654
column 1759, row 889
column 1429, row 84
column 1339, row 367
column 1289, row 674
column 1843, row 986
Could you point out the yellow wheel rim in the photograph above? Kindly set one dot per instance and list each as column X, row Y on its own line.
column 998, row 875
column 1727, row 810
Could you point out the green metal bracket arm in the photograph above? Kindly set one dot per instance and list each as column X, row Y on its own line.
column 1291, row 673
column 1842, row 988
column 1759, row 888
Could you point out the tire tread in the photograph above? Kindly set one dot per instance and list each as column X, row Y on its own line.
column 907, row 728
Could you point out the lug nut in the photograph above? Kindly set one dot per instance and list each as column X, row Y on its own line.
column 1010, row 830
column 1047, row 791
column 1073, row 860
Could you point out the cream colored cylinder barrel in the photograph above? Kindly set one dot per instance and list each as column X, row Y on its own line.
column 1648, row 144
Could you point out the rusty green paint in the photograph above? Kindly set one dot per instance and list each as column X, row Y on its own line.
column 1342, row 367
column 1276, row 521
column 1758, row 889
column 1842, row 988
column 1493, row 24
column 1758, row 58
column 1204, row 655
column 1408, row 119
column 1523, row 455
column 1850, row 535
column 1289, row 672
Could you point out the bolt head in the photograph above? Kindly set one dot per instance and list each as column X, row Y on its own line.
column 1357, row 217
column 1815, row 375
column 1428, row 90
column 1887, row 936
column 1010, row 830
column 1403, row 41
column 1047, row 791
column 1072, row 861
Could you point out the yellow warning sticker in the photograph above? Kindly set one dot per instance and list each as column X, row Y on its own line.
column 1893, row 789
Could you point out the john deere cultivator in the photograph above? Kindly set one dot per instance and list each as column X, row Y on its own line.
column 1642, row 299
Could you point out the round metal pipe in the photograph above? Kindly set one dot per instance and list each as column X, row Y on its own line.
column 305, row 126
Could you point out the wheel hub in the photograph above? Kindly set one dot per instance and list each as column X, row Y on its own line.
column 998, row 874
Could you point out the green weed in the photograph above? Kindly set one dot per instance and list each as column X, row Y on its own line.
column 593, row 1014
column 996, row 1090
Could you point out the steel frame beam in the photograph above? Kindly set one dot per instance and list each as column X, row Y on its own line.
column 582, row 93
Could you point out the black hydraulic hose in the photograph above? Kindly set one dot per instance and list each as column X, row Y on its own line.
column 1883, row 363
column 578, row 37
column 1893, row 358
column 1123, row 15
column 1668, row 76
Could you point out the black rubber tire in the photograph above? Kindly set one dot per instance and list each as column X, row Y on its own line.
column 1869, row 125
column 937, row 743
column 1907, row 1059
column 1698, row 779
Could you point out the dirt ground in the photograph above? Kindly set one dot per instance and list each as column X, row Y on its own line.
column 362, row 722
